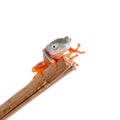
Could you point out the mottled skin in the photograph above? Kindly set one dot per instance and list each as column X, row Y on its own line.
column 53, row 52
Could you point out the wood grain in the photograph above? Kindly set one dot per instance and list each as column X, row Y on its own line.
column 35, row 88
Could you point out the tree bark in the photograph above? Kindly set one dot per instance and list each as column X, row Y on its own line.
column 35, row 87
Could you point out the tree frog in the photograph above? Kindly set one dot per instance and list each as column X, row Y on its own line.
column 53, row 52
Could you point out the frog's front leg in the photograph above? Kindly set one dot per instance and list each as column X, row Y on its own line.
column 54, row 62
column 72, row 50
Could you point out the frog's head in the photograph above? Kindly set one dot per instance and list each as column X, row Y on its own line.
column 58, row 47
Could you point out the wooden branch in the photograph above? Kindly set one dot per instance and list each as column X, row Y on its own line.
column 35, row 87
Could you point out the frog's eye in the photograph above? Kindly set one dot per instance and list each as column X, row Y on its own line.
column 54, row 46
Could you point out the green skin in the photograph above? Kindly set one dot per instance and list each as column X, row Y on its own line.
column 56, row 48
column 54, row 51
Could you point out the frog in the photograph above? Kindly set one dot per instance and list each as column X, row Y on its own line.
column 54, row 52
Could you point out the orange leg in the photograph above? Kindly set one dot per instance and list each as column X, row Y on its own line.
column 39, row 68
column 72, row 50
column 38, row 74
column 54, row 63
column 61, row 58
column 73, row 58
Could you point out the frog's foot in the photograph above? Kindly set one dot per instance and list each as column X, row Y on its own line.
column 71, row 58
column 81, row 52
column 54, row 63
column 61, row 58
column 74, row 56
column 72, row 50
column 39, row 74
column 39, row 68
column 75, row 63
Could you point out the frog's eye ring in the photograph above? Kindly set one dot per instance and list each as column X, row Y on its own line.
column 54, row 46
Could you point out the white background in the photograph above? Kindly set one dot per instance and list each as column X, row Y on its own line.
column 90, row 93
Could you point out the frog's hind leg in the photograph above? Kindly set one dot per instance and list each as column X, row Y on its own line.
column 74, row 56
column 39, row 68
column 71, row 58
